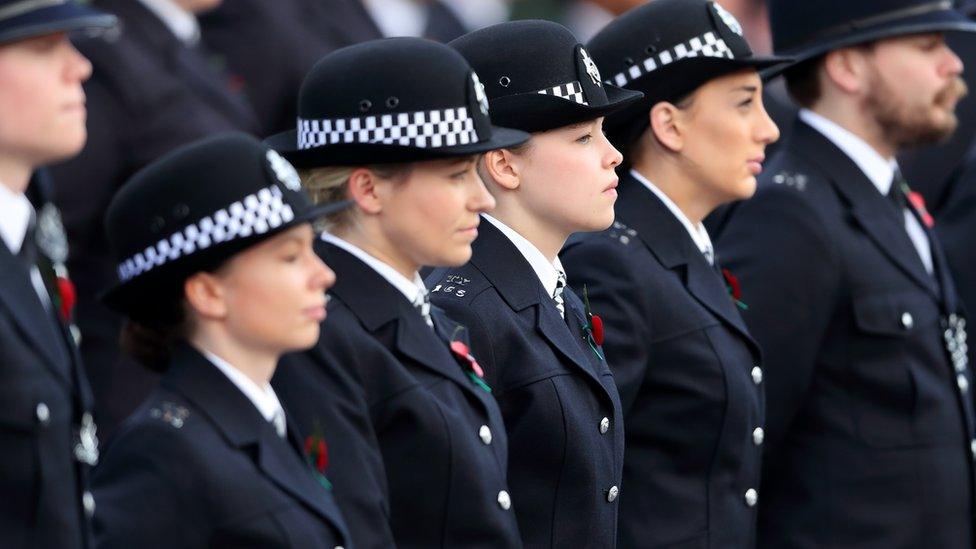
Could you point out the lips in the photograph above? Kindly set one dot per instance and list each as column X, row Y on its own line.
column 316, row 312
column 612, row 186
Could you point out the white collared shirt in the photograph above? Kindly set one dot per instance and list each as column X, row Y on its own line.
column 698, row 234
column 548, row 272
column 409, row 288
column 181, row 23
column 398, row 17
column 15, row 214
column 877, row 168
column 264, row 399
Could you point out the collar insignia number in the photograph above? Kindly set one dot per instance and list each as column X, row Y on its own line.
column 86, row 449
column 591, row 68
column 728, row 18
column 284, row 171
column 51, row 238
column 171, row 413
column 479, row 93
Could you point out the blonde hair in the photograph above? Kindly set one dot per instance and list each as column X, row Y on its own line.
column 331, row 184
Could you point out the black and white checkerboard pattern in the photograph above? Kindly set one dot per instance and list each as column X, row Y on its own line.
column 425, row 129
column 706, row 45
column 572, row 91
column 255, row 214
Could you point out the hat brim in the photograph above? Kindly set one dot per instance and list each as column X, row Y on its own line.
column 358, row 154
column 144, row 295
column 949, row 20
column 536, row 112
column 65, row 17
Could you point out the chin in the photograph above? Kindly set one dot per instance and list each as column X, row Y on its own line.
column 456, row 257
column 304, row 339
column 602, row 222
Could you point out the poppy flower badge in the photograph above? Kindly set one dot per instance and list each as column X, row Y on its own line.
column 317, row 454
column 593, row 327
column 469, row 365
column 734, row 289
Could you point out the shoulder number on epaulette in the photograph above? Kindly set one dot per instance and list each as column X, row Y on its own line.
column 170, row 413
column 453, row 284
column 796, row 180
column 623, row 233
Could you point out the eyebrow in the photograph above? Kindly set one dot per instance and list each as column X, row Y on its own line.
column 747, row 88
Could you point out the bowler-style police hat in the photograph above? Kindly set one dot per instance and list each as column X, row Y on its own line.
column 388, row 101
column 667, row 49
column 193, row 209
column 808, row 29
column 20, row 19
column 538, row 76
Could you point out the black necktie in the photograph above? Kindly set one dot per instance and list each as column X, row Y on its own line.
column 28, row 249
column 897, row 193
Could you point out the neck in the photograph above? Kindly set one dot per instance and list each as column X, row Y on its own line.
column 15, row 175
column 371, row 241
column 256, row 363
column 856, row 119
column 668, row 174
column 547, row 238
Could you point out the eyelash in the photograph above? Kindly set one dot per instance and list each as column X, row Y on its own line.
column 585, row 139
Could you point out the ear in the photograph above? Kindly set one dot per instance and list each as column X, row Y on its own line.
column 666, row 126
column 847, row 69
column 205, row 294
column 362, row 189
column 502, row 167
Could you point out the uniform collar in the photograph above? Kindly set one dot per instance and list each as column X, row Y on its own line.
column 181, row 23
column 547, row 272
column 264, row 399
column 409, row 288
column 698, row 234
column 15, row 214
column 877, row 168
column 398, row 17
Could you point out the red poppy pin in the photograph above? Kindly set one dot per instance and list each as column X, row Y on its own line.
column 317, row 454
column 467, row 361
column 734, row 289
column 593, row 327
column 918, row 202
column 66, row 297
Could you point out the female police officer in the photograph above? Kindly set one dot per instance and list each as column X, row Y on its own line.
column 396, row 125
column 557, row 396
column 687, row 369
column 218, row 279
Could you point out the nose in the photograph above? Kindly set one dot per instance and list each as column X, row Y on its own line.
column 767, row 130
column 323, row 277
column 480, row 200
column 953, row 65
column 78, row 67
column 613, row 157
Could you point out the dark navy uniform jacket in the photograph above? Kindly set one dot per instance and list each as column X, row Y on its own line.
column 869, row 438
column 684, row 364
column 559, row 400
column 440, row 434
column 197, row 465
column 43, row 397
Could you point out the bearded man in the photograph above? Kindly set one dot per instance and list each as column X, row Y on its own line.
column 869, row 439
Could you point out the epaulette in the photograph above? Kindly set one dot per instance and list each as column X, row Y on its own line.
column 170, row 413
column 791, row 179
column 621, row 233
column 458, row 285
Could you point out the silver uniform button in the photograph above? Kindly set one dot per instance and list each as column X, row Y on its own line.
column 757, row 375
column 504, row 500
column 758, row 435
column 612, row 493
column 88, row 502
column 907, row 321
column 604, row 425
column 972, row 447
column 752, row 497
column 962, row 382
column 485, row 434
column 43, row 413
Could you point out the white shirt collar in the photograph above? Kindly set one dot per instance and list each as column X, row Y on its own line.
column 15, row 214
column 398, row 17
column 409, row 288
column 698, row 234
column 181, row 23
column 878, row 169
column 264, row 399
column 547, row 272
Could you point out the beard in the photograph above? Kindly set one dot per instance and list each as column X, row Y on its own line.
column 906, row 123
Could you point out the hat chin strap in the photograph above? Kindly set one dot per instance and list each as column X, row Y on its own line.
column 24, row 6
column 882, row 18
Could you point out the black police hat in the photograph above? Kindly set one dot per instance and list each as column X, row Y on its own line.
column 668, row 49
column 391, row 100
column 807, row 29
column 21, row 19
column 194, row 208
column 538, row 76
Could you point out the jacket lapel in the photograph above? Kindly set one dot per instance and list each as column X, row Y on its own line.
column 194, row 377
column 871, row 210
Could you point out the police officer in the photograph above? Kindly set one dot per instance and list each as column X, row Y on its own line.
column 46, row 428
column 532, row 333
column 395, row 125
column 680, row 352
column 869, row 438
column 218, row 278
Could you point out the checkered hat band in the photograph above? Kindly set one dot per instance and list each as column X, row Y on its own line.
column 255, row 214
column 423, row 129
column 572, row 91
column 706, row 45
